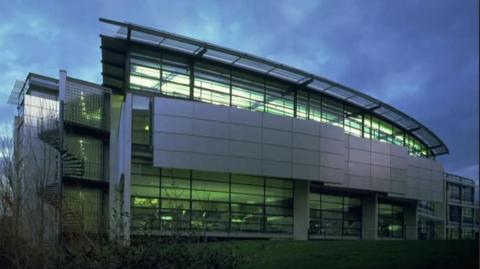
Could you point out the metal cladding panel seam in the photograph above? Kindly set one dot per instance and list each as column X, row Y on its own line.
column 203, row 136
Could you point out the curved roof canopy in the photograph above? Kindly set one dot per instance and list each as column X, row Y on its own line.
column 200, row 49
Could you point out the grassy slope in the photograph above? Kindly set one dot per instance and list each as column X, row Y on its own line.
column 359, row 254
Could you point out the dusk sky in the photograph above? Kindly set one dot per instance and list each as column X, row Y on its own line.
column 418, row 56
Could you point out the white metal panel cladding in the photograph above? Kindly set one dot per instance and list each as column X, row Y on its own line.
column 216, row 138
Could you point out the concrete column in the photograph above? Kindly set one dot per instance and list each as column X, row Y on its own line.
column 126, row 164
column 114, row 167
column 369, row 217
column 411, row 221
column 120, row 160
column 301, row 210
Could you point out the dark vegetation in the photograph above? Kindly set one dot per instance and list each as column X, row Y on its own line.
column 439, row 254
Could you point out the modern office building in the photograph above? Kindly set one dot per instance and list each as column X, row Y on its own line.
column 184, row 135
column 461, row 222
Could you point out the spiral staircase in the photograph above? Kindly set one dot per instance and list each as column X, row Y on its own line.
column 73, row 166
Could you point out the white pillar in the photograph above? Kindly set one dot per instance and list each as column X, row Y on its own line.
column 369, row 217
column 120, row 165
column 411, row 221
column 301, row 210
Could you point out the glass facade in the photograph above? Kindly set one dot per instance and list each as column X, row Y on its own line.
column 427, row 207
column 468, row 234
column 141, row 118
column 454, row 233
column 167, row 74
column 83, row 209
column 467, row 215
column 90, row 152
column 467, row 194
column 458, row 233
column 170, row 199
column 37, row 110
column 335, row 215
column 455, row 213
column 86, row 106
column 454, row 191
column 390, row 221
column 426, row 230
column 173, row 76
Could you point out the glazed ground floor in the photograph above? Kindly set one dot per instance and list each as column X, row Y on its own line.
column 163, row 200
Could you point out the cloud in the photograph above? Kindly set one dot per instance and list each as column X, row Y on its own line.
column 296, row 12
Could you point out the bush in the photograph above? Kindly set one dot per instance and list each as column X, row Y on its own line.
column 18, row 253
column 158, row 253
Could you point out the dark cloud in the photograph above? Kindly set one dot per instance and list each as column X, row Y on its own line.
column 419, row 56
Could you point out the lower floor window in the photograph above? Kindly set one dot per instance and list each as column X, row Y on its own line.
column 458, row 233
column 426, row 230
column 468, row 234
column 453, row 233
column 335, row 215
column 83, row 210
column 390, row 221
column 169, row 199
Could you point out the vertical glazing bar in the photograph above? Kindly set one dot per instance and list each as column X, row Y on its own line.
column 264, row 227
column 264, row 94
column 190, row 202
column 229, row 227
column 363, row 125
column 191, row 65
column 295, row 100
column 160, row 212
column 343, row 216
column 308, row 105
column 230, row 85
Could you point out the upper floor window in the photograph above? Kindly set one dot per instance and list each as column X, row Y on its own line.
column 467, row 194
column 209, row 83
column 141, row 120
column 455, row 213
column 467, row 215
column 454, row 191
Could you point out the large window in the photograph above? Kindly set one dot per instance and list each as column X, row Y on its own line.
column 453, row 233
column 213, row 84
column 390, row 221
column 426, row 230
column 141, row 120
column 85, row 105
column 335, row 215
column 458, row 233
column 85, row 206
column 467, row 194
column 170, row 199
column 166, row 74
column 248, row 92
column 427, row 207
column 468, row 234
column 353, row 122
column 332, row 112
column 455, row 213
column 467, row 215
column 454, row 191
column 279, row 99
column 84, row 157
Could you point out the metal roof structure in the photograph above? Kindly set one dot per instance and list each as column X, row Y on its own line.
column 199, row 49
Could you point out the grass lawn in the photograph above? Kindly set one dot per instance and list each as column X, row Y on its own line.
column 359, row 254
